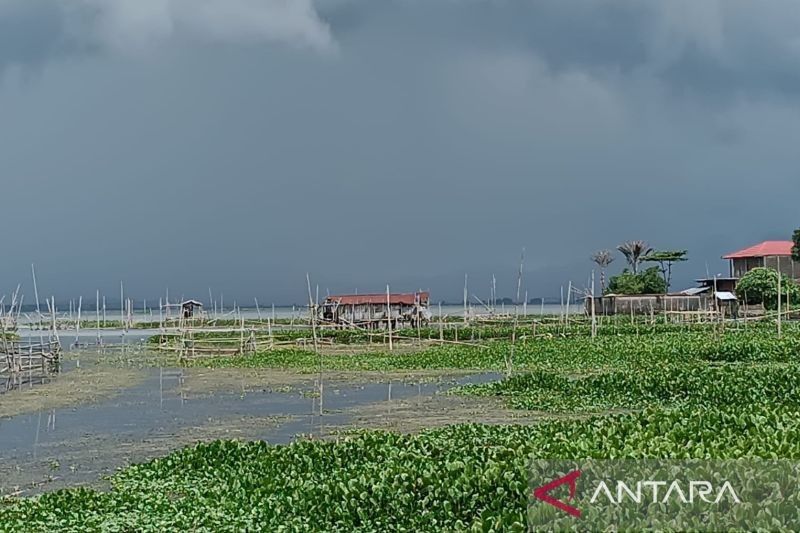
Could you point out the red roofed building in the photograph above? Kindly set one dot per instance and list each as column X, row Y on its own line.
column 374, row 310
column 771, row 254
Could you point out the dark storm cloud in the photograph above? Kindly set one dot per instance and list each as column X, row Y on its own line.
column 239, row 144
column 31, row 32
column 710, row 48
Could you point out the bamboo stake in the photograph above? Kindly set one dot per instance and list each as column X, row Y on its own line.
column 258, row 310
column 510, row 360
column 121, row 306
column 269, row 330
column 78, row 323
column 779, row 300
column 36, row 294
column 441, row 325
column 465, row 300
column 566, row 309
column 389, row 316
column 312, row 314
column 594, row 316
column 38, row 309
column 97, row 313
column 313, row 317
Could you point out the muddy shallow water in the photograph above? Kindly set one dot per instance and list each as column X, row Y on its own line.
column 86, row 423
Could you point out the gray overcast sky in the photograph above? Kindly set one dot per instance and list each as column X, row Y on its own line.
column 238, row 144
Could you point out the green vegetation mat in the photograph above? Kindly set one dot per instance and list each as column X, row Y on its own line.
column 571, row 353
column 695, row 394
column 470, row 477
column 710, row 386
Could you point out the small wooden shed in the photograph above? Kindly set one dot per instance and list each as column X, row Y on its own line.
column 376, row 310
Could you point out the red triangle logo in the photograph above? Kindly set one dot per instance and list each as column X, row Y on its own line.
column 543, row 492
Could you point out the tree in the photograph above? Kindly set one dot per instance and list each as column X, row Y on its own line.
column 625, row 283
column 603, row 258
column 796, row 246
column 652, row 281
column 760, row 286
column 634, row 251
column 665, row 260
column 647, row 282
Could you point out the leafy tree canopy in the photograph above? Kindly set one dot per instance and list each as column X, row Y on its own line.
column 633, row 252
column 665, row 260
column 760, row 285
column 672, row 256
column 649, row 281
column 796, row 247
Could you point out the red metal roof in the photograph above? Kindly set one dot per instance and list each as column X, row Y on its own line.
column 395, row 298
column 764, row 249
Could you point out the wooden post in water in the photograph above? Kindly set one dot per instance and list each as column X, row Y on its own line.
column 38, row 309
column 466, row 313
column 121, row 306
column 441, row 325
column 566, row 309
column 258, row 311
column 269, row 331
column 78, row 323
column 594, row 315
column 312, row 313
column 389, row 316
column 779, row 299
column 313, row 317
column 97, row 313
column 510, row 360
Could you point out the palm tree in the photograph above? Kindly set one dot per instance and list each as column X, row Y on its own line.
column 634, row 251
column 603, row 258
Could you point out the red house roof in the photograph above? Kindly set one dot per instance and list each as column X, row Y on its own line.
column 764, row 249
column 358, row 299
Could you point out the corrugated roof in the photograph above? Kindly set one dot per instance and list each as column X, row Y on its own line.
column 725, row 296
column 763, row 249
column 395, row 298
column 694, row 291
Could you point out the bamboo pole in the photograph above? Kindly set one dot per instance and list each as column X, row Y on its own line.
column 97, row 313
column 121, row 305
column 389, row 316
column 313, row 317
column 510, row 360
column 78, row 323
column 779, row 299
column 36, row 294
column 594, row 315
column 466, row 318
column 441, row 325
column 258, row 311
column 566, row 309
column 38, row 309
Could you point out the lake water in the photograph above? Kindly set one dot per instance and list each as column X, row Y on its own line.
column 299, row 313
column 49, row 449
